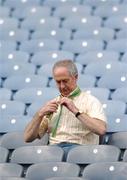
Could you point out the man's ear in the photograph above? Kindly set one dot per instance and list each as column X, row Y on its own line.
column 76, row 76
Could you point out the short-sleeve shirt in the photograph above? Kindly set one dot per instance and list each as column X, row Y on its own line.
column 71, row 129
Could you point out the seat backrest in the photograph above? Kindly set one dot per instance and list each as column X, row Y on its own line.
column 13, row 140
column 3, row 154
column 52, row 169
column 87, row 154
column 36, row 154
column 10, row 169
column 106, row 170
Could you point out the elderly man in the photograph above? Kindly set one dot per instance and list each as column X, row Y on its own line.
column 73, row 118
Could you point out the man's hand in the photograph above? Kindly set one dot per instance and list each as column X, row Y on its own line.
column 69, row 104
column 48, row 108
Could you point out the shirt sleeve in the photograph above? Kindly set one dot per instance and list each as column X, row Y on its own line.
column 95, row 109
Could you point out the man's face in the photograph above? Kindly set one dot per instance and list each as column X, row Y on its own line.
column 66, row 83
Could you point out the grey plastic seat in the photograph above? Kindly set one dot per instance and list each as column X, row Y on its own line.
column 32, row 11
column 116, row 123
column 80, row 22
column 66, row 178
column 98, row 69
column 36, row 45
column 21, row 4
column 23, row 81
column 108, row 10
column 53, row 33
column 58, row 3
column 14, row 56
column 116, row 22
column 101, row 93
column 14, row 34
column 114, row 107
column 8, row 107
column 4, row 11
column 97, row 3
column 97, row 56
column 12, row 178
column 34, row 23
column 106, row 170
column 82, row 45
column 7, row 22
column 52, row 169
column 13, row 123
column 113, row 80
column 10, row 169
column 7, row 46
column 72, row 10
column 5, row 94
column 124, row 57
column 41, row 58
column 16, row 68
column 121, row 34
column 100, row 33
column 118, row 139
column 120, row 94
column 88, row 154
column 13, row 140
column 3, row 154
column 30, row 95
column 36, row 154
column 119, row 45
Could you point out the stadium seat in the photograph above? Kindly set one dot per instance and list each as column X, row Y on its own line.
column 119, row 45
column 36, row 154
column 88, row 154
column 7, row 22
column 58, row 3
column 4, row 152
column 107, row 11
column 100, row 33
column 116, row 123
column 106, row 170
column 116, row 22
column 24, row 81
column 11, row 123
column 4, row 11
column 118, row 139
column 45, row 57
column 8, row 107
column 114, row 107
column 81, row 22
column 66, row 178
column 14, row 34
column 5, row 94
column 10, row 169
column 113, row 80
column 20, row 4
column 30, row 95
column 53, row 33
column 121, row 34
column 13, row 140
column 120, row 94
column 101, row 93
column 33, row 11
column 98, row 69
column 72, row 10
column 36, row 45
column 52, row 169
column 97, row 56
column 82, row 45
column 7, row 46
column 14, row 56
column 16, row 68
column 33, row 24
column 96, row 3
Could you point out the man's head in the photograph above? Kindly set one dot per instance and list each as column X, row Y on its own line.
column 65, row 74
